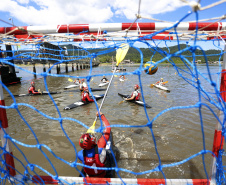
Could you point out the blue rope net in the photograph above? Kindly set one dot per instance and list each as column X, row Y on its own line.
column 205, row 83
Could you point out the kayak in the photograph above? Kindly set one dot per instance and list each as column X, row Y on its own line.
column 136, row 102
column 71, row 86
column 81, row 103
column 41, row 93
column 92, row 89
column 109, row 163
column 161, row 87
column 103, row 84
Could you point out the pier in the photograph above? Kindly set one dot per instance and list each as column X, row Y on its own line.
column 73, row 58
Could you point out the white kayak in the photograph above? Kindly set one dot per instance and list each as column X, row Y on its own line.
column 161, row 87
column 71, row 86
column 103, row 84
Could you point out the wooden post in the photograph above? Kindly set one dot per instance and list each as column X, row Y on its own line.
column 66, row 68
column 34, row 70
column 72, row 67
column 44, row 68
column 49, row 67
column 58, row 69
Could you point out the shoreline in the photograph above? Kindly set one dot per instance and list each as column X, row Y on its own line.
column 105, row 64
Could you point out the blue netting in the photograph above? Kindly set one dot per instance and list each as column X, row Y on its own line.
column 187, row 70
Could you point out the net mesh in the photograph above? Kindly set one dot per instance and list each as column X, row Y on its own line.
column 34, row 155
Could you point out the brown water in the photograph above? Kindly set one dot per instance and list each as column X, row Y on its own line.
column 177, row 132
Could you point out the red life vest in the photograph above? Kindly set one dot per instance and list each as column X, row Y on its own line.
column 85, row 97
column 137, row 97
column 31, row 89
column 94, row 162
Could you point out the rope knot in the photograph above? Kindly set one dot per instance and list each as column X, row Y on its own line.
column 31, row 166
column 138, row 16
column 94, row 55
column 195, row 6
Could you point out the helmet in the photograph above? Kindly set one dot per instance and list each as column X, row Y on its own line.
column 161, row 78
column 137, row 86
column 86, row 89
column 83, row 80
column 32, row 83
column 87, row 141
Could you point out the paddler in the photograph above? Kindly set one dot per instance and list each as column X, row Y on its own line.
column 160, row 82
column 122, row 77
column 85, row 95
column 94, row 153
column 104, row 79
column 82, row 85
column 77, row 81
column 32, row 90
column 135, row 95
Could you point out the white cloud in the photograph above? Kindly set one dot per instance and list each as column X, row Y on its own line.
column 48, row 12
column 147, row 8
column 23, row 1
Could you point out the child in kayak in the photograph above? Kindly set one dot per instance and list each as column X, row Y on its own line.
column 82, row 85
column 135, row 95
column 160, row 82
column 104, row 79
column 94, row 153
column 122, row 77
column 85, row 95
column 32, row 90
column 77, row 81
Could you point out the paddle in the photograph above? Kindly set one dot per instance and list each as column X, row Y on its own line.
column 120, row 55
column 70, row 80
column 122, row 101
column 165, row 82
column 39, row 91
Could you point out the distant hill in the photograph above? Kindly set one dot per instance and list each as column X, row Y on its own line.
column 154, row 54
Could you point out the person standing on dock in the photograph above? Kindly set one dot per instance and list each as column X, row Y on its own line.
column 94, row 153
column 135, row 95
column 32, row 90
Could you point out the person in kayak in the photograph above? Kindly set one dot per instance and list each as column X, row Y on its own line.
column 85, row 95
column 122, row 77
column 135, row 95
column 94, row 153
column 160, row 82
column 104, row 79
column 32, row 90
column 77, row 81
column 82, row 85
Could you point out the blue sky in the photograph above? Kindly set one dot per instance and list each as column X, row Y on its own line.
column 54, row 12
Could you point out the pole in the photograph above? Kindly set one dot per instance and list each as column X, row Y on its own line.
column 218, row 142
column 9, row 160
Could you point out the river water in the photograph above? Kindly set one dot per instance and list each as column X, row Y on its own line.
column 177, row 132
